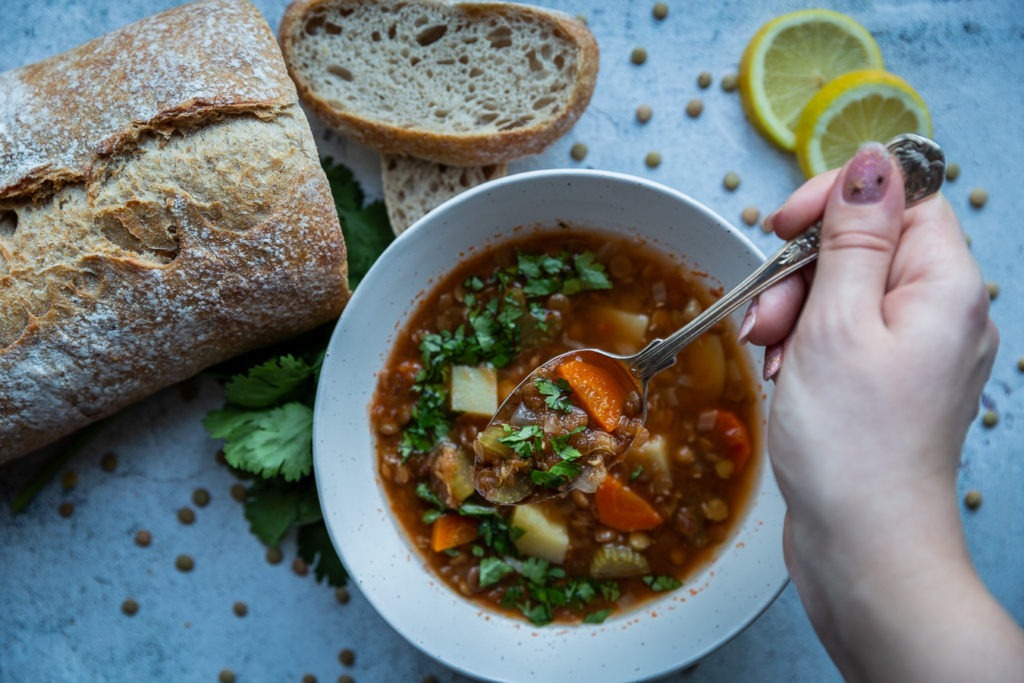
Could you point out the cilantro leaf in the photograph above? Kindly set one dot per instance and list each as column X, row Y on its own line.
column 267, row 442
column 662, row 583
column 493, row 570
column 555, row 393
column 597, row 617
column 556, row 475
column 314, row 546
column 525, row 441
column 276, row 380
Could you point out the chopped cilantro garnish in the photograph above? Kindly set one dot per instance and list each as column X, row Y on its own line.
column 637, row 471
column 493, row 570
column 556, row 393
column 527, row 441
column 366, row 229
column 662, row 582
column 597, row 617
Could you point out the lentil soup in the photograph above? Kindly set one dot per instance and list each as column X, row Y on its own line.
column 657, row 516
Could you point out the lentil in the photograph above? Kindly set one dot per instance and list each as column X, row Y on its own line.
column 347, row 657
column 239, row 492
column 201, row 497
column 731, row 181
column 1020, row 364
column 653, row 160
column 704, row 80
column 221, row 458
column 990, row 419
column 240, row 609
column 300, row 567
column 226, row 676
column 186, row 515
column 143, row 538
column 66, row 509
column 345, row 678
column 638, row 55
column 978, row 197
column 308, row 678
column 730, row 82
column 952, row 172
column 694, row 107
column 69, row 479
column 660, row 10
column 184, row 563
column 972, row 499
column 578, row 151
column 993, row 289
column 274, row 555
column 108, row 463
column 342, row 595
column 750, row 215
column 130, row 607
column 644, row 113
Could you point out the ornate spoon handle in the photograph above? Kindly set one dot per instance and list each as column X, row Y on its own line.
column 923, row 165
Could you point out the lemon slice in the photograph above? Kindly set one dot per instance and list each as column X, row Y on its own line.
column 791, row 58
column 857, row 107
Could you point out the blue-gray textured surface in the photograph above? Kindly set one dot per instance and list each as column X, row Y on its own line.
column 62, row 580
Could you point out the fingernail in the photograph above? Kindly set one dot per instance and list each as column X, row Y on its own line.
column 772, row 361
column 748, row 323
column 867, row 174
column 768, row 224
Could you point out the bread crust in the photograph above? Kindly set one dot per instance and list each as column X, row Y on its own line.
column 458, row 148
column 162, row 208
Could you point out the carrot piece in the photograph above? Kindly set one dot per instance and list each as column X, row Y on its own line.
column 600, row 394
column 450, row 531
column 622, row 509
column 731, row 435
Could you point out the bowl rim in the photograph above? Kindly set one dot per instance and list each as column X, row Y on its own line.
column 517, row 636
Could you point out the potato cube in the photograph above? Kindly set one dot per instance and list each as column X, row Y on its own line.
column 474, row 390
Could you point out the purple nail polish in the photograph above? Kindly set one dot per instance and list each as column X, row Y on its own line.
column 867, row 174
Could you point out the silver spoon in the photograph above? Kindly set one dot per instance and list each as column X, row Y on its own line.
column 505, row 479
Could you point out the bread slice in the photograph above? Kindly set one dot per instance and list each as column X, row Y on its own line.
column 162, row 208
column 413, row 187
column 464, row 84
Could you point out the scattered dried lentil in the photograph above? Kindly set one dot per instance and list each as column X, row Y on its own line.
column 69, row 479
column 240, row 609
column 201, row 497
column 221, row 458
column 644, row 113
column 143, row 538
column 978, row 197
column 300, row 567
column 130, row 607
column 730, row 82
column 993, row 289
column 347, row 657
column 226, row 676
column 638, row 55
column 274, row 555
column 184, row 563
column 660, row 10
column 342, row 595
column 66, row 509
column 308, row 678
column 108, row 462
column 990, row 418
column 952, row 172
column 239, row 492
column 653, row 160
column 704, row 80
column 345, row 678
column 578, row 151
column 186, row 515
column 750, row 215
column 972, row 499
column 1020, row 364
column 694, row 107
column 731, row 181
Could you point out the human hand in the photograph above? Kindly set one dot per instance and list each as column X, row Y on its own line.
column 887, row 345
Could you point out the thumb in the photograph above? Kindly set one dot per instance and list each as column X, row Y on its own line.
column 859, row 233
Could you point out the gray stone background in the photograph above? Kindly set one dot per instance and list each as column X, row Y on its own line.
column 62, row 580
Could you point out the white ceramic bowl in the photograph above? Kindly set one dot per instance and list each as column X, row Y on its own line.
column 676, row 630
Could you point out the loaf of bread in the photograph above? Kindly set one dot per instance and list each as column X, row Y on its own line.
column 462, row 84
column 162, row 208
column 413, row 187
